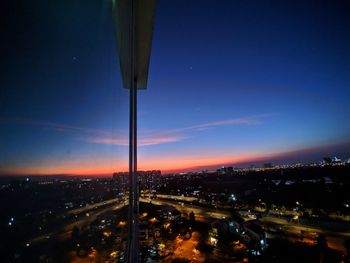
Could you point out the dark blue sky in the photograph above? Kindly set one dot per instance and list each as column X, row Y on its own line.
column 229, row 81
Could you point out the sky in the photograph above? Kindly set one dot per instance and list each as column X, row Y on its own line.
column 230, row 83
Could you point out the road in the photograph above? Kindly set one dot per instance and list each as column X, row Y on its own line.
column 178, row 198
column 291, row 230
column 186, row 249
column 335, row 240
column 202, row 214
column 87, row 208
column 65, row 231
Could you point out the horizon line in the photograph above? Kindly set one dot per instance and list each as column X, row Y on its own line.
column 280, row 158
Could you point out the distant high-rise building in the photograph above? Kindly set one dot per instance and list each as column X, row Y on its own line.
column 146, row 179
column 335, row 159
column 327, row 160
column 225, row 170
column 252, row 166
column 268, row 165
column 122, row 180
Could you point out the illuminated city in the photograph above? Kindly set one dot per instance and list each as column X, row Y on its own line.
column 175, row 131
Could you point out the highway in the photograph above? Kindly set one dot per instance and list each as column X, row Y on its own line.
column 92, row 206
column 91, row 214
column 291, row 231
column 202, row 214
column 178, row 198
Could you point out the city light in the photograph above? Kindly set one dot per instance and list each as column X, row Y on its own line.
column 175, row 131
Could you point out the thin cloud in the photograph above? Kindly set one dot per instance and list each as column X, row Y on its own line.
column 160, row 140
column 229, row 122
column 174, row 135
column 143, row 141
column 61, row 127
column 254, row 120
column 114, row 137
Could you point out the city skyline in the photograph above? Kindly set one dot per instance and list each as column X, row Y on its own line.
column 232, row 85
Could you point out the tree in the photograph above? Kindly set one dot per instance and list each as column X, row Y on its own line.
column 321, row 242
column 347, row 247
column 322, row 245
column 192, row 218
column 75, row 235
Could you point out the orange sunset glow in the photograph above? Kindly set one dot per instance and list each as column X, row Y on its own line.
column 166, row 164
column 92, row 166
